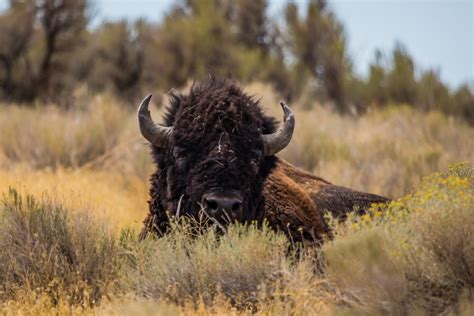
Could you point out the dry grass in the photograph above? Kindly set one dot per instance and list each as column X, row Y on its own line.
column 59, row 258
column 248, row 269
column 122, row 200
column 88, row 167
column 417, row 253
column 46, row 249
column 385, row 151
column 48, row 136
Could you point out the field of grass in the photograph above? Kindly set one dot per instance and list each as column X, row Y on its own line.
column 74, row 184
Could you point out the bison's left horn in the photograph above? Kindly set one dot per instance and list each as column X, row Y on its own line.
column 273, row 143
column 156, row 134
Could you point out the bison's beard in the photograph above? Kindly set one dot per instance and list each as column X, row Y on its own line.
column 190, row 207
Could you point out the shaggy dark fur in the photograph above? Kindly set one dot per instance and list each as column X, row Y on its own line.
column 216, row 144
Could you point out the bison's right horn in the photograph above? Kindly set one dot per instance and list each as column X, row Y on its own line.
column 156, row 134
column 273, row 143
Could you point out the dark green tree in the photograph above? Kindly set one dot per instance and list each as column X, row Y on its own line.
column 39, row 39
column 463, row 103
column 119, row 58
column 16, row 34
column 377, row 82
column 432, row 93
column 401, row 82
column 317, row 45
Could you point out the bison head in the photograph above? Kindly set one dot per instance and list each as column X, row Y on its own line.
column 214, row 151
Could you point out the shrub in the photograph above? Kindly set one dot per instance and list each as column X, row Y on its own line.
column 415, row 253
column 58, row 259
column 184, row 268
column 47, row 249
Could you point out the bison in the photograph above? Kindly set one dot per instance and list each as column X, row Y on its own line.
column 216, row 159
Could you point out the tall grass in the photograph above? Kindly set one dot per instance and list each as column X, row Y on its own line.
column 414, row 255
column 48, row 250
column 417, row 253
column 385, row 151
column 48, row 136
column 73, row 248
column 62, row 258
column 121, row 199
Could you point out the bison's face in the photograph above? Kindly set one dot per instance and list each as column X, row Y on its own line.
column 212, row 159
column 218, row 178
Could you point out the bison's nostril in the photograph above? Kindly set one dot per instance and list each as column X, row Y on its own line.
column 223, row 204
column 236, row 206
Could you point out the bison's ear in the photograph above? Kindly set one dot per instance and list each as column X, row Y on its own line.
column 156, row 134
column 273, row 143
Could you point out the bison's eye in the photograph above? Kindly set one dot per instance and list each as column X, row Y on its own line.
column 257, row 155
column 255, row 160
column 254, row 164
column 180, row 155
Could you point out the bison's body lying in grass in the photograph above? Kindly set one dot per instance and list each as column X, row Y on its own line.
column 215, row 157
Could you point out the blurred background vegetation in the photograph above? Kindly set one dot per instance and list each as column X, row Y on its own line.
column 50, row 49
column 70, row 147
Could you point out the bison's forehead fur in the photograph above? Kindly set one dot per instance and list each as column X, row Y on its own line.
column 219, row 128
column 215, row 107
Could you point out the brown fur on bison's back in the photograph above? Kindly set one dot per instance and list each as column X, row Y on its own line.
column 295, row 202
column 335, row 199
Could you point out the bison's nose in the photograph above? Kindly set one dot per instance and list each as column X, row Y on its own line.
column 222, row 205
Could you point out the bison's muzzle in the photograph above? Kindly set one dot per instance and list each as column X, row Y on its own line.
column 223, row 206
